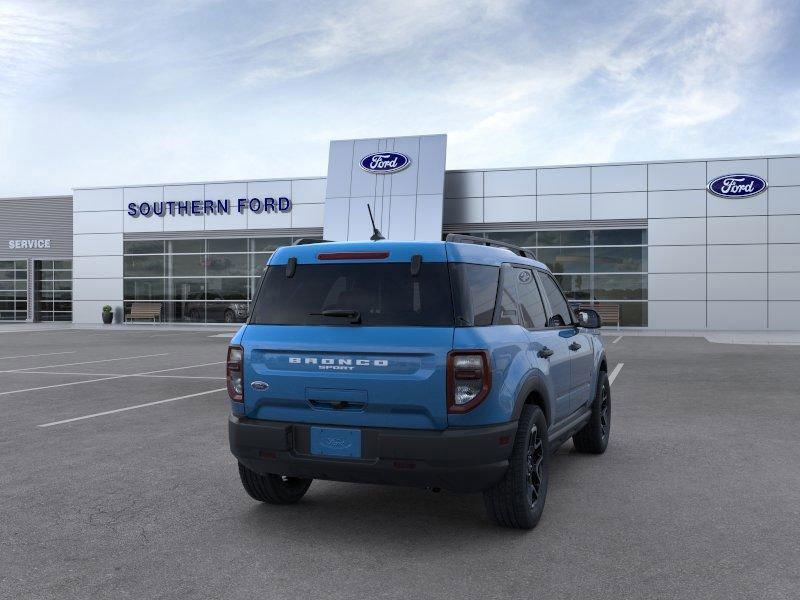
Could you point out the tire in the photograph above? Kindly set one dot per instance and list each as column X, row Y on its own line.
column 517, row 501
column 229, row 316
column 593, row 438
column 273, row 489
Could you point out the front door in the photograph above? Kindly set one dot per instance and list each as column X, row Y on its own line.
column 578, row 343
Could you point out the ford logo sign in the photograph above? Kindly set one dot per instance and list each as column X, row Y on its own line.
column 383, row 163
column 737, row 186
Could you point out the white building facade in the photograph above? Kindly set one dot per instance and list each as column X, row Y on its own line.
column 648, row 237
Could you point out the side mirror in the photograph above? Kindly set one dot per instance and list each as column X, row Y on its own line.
column 589, row 318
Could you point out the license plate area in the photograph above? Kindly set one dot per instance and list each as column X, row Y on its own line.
column 333, row 441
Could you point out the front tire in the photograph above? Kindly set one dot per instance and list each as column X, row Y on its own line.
column 593, row 438
column 273, row 489
column 517, row 501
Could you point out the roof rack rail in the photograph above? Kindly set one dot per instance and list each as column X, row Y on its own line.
column 472, row 239
column 305, row 241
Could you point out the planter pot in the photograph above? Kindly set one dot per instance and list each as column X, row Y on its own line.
column 108, row 317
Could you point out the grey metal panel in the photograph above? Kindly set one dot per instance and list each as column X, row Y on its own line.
column 676, row 176
column 183, row 235
column 784, row 171
column 623, row 178
column 44, row 218
column 541, row 226
column 396, row 199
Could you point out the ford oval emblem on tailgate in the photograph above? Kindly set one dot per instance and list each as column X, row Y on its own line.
column 259, row 385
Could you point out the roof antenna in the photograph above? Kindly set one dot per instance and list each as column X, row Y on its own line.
column 376, row 234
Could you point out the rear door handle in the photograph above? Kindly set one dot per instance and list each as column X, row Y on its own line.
column 574, row 346
column 545, row 353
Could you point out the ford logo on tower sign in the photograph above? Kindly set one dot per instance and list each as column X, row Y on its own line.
column 383, row 163
column 737, row 186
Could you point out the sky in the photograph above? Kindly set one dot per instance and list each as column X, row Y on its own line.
column 111, row 93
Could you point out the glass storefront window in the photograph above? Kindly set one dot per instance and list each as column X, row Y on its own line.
column 518, row 238
column 226, row 264
column 13, row 290
column 233, row 245
column 270, row 244
column 187, row 265
column 187, row 246
column 620, row 237
column 619, row 287
column 143, row 266
column 565, row 260
column 145, row 247
column 53, row 285
column 197, row 280
column 593, row 265
column 620, row 260
column 564, row 238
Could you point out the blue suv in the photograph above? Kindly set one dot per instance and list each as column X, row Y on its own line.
column 454, row 365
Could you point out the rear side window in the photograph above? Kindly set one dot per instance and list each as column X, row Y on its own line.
column 474, row 293
column 384, row 294
column 530, row 300
column 560, row 310
column 507, row 313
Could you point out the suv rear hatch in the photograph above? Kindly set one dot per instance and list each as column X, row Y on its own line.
column 351, row 339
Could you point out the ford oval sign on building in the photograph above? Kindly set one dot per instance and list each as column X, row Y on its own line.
column 737, row 186
column 383, row 163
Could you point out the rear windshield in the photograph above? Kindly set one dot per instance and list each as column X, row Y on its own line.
column 383, row 294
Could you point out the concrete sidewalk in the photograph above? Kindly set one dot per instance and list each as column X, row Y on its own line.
column 782, row 338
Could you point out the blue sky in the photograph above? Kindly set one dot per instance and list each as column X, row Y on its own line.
column 96, row 93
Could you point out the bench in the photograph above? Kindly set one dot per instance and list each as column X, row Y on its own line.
column 609, row 313
column 144, row 311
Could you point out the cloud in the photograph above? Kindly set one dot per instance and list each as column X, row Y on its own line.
column 35, row 41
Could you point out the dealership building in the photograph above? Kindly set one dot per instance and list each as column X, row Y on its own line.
column 686, row 244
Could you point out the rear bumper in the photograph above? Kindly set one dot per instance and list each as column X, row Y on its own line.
column 462, row 459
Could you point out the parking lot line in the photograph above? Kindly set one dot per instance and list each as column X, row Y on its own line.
column 87, row 362
column 47, row 387
column 118, row 410
column 616, row 340
column 615, row 372
column 35, row 355
column 113, row 374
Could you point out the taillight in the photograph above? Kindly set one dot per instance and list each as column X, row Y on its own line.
column 233, row 373
column 469, row 378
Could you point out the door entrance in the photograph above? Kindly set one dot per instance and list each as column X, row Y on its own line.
column 52, row 290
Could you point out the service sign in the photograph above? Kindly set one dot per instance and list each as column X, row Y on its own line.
column 737, row 186
column 384, row 163
column 28, row 244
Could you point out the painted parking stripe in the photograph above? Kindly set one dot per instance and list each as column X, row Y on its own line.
column 127, row 408
column 127, row 375
column 35, row 355
column 615, row 372
column 616, row 340
column 86, row 362
column 57, row 385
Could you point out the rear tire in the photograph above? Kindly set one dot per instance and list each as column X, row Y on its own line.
column 593, row 438
column 273, row 489
column 229, row 316
column 517, row 501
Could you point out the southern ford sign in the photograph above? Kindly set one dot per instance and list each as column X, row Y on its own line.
column 209, row 207
column 737, row 186
column 384, row 163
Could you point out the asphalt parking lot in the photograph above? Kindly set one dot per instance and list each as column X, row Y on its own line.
column 697, row 496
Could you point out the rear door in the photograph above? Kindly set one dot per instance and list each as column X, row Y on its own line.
column 381, row 365
column 579, row 344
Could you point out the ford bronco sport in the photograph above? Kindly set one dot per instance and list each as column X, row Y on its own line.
column 455, row 365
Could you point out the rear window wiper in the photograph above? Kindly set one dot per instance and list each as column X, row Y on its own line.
column 353, row 315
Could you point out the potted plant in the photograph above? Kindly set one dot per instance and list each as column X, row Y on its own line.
column 108, row 316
